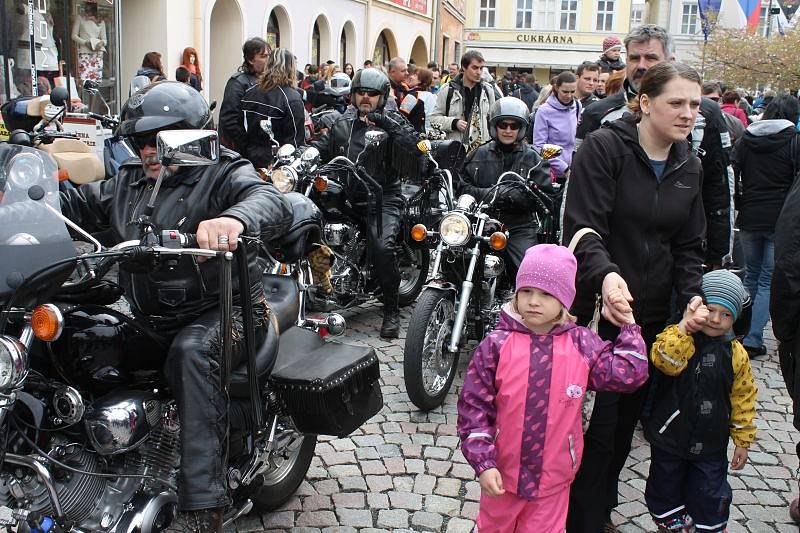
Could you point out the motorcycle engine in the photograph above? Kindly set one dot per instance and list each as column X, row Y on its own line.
column 347, row 276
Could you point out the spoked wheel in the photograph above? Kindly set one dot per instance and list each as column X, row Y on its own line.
column 429, row 368
column 413, row 271
column 286, row 468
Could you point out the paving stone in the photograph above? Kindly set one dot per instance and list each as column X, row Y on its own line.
column 393, row 518
column 434, row 452
column 448, row 487
column 337, row 471
column 438, row 468
column 424, row 484
column 442, row 505
column 339, row 529
column 470, row 510
column 372, row 467
column 317, row 519
column 379, row 483
column 250, row 523
column 355, row 517
column 415, row 466
column 315, row 503
column 403, row 483
column 395, row 465
column 326, row 487
column 459, row 525
column 353, row 483
column 351, row 500
column 377, row 500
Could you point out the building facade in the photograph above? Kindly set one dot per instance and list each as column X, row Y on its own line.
column 543, row 35
column 450, row 38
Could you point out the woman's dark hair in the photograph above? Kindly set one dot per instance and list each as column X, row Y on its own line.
column 784, row 106
column 730, row 97
column 565, row 77
column 250, row 49
column 153, row 60
column 658, row 76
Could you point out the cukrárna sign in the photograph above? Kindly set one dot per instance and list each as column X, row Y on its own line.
column 544, row 39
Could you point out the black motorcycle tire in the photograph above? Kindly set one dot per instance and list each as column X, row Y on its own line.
column 422, row 318
column 273, row 495
column 409, row 290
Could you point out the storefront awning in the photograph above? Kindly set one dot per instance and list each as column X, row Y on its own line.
column 531, row 57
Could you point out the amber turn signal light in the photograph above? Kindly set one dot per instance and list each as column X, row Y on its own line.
column 47, row 322
column 320, row 183
column 497, row 240
column 419, row 232
column 63, row 174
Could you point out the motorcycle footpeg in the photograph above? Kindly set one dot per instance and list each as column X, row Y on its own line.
column 243, row 509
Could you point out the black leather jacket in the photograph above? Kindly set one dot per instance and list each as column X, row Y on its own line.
column 284, row 106
column 346, row 137
column 231, row 118
column 230, row 188
column 483, row 166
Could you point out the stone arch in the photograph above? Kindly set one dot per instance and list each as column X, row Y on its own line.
column 323, row 52
column 226, row 34
column 349, row 36
column 419, row 51
column 284, row 26
column 385, row 47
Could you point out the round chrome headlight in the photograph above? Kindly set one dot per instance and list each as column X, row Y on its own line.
column 284, row 179
column 13, row 362
column 26, row 169
column 455, row 229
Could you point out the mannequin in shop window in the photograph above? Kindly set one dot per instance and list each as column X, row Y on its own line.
column 89, row 34
column 191, row 62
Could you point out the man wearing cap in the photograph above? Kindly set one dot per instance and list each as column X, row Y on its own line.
column 609, row 60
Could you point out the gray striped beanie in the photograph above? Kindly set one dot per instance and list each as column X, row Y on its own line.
column 723, row 287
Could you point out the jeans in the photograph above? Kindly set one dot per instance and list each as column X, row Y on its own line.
column 759, row 256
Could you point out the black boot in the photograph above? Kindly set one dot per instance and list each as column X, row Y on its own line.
column 202, row 521
column 390, row 329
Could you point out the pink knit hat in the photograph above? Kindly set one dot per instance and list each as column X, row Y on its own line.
column 550, row 268
column 611, row 42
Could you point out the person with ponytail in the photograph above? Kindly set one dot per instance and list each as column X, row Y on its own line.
column 638, row 185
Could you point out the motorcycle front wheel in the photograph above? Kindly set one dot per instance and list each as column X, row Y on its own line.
column 428, row 367
column 413, row 273
column 287, row 468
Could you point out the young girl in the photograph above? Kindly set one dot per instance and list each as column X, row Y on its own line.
column 519, row 414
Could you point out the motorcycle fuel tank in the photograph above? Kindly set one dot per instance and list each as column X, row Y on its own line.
column 101, row 349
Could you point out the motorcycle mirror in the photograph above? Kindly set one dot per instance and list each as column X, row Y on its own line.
column 187, row 148
column 138, row 83
column 59, row 96
column 285, row 151
column 310, row 157
column 549, row 151
column 90, row 85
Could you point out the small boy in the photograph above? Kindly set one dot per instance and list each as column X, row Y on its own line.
column 705, row 394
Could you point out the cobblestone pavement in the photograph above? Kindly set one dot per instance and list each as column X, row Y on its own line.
column 403, row 470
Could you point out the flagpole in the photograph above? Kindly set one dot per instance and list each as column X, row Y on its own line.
column 769, row 17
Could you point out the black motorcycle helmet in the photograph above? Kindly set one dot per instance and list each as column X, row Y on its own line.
column 371, row 79
column 509, row 108
column 163, row 105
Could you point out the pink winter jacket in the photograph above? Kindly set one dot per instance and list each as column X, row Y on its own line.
column 520, row 407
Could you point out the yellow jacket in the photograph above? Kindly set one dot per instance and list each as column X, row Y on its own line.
column 671, row 353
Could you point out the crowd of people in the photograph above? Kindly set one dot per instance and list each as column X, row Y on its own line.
column 656, row 164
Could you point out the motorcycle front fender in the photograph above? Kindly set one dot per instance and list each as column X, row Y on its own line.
column 440, row 285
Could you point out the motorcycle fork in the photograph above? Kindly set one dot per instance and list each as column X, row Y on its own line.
column 466, row 290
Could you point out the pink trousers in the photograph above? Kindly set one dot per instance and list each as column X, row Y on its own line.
column 511, row 514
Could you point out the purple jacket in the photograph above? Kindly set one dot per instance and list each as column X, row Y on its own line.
column 556, row 123
column 520, row 407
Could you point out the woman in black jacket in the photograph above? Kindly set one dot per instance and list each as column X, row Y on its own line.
column 766, row 158
column 274, row 98
column 637, row 184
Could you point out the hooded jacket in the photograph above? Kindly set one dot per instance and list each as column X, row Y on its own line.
column 520, row 407
column 652, row 232
column 556, row 123
column 528, row 94
column 737, row 112
column 766, row 157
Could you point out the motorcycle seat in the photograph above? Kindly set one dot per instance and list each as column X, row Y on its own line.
column 282, row 296
column 77, row 158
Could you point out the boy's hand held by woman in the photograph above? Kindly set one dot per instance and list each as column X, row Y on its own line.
column 616, row 300
column 694, row 317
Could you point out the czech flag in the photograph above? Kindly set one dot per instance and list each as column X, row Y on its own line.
column 739, row 14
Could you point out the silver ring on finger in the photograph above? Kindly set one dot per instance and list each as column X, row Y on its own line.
column 222, row 239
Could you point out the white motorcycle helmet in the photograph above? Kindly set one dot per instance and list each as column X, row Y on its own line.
column 509, row 108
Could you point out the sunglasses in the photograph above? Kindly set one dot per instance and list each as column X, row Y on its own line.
column 147, row 139
column 368, row 92
column 508, row 125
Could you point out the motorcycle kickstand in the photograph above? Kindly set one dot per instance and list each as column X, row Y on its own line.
column 245, row 508
column 256, row 462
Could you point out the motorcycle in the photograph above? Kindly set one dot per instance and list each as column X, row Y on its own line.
column 89, row 431
column 468, row 285
column 332, row 187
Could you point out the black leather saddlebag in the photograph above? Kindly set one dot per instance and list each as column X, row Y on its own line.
column 327, row 388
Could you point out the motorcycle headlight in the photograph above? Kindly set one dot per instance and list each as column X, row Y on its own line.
column 25, row 170
column 284, row 179
column 13, row 362
column 455, row 229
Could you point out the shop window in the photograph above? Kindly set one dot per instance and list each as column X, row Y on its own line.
column 569, row 15
column 545, row 14
column 689, row 19
column 524, row 14
column 605, row 15
column 381, row 55
column 273, row 31
column 487, row 13
column 60, row 42
column 637, row 15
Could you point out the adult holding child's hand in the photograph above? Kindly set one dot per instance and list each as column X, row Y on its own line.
column 637, row 184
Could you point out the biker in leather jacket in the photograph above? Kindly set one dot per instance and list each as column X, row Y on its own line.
column 370, row 89
column 508, row 124
column 179, row 306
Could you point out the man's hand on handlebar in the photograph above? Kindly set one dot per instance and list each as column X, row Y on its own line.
column 219, row 234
